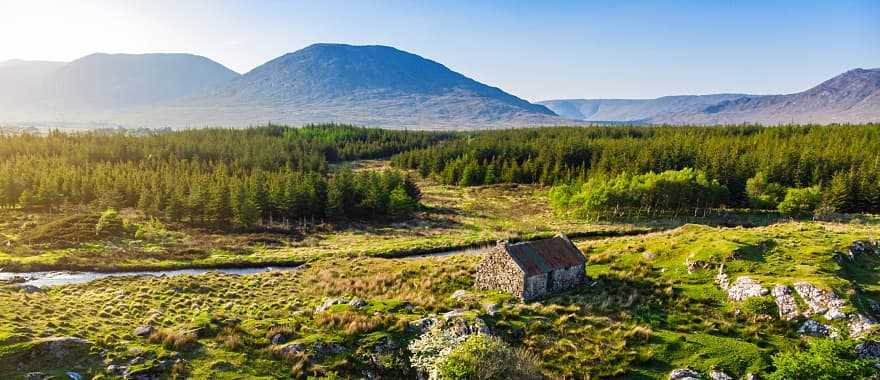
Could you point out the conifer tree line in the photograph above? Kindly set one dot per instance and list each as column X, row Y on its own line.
column 214, row 177
column 840, row 162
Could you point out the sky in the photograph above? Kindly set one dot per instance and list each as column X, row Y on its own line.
column 537, row 50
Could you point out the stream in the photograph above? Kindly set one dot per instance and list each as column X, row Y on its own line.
column 54, row 278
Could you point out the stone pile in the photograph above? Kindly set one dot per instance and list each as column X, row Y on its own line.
column 820, row 301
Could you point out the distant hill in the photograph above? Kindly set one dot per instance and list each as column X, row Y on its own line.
column 634, row 110
column 851, row 97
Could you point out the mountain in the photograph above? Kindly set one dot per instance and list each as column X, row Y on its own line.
column 102, row 84
column 369, row 85
column 20, row 80
column 851, row 97
column 633, row 110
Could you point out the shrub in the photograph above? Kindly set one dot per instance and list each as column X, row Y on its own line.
column 762, row 193
column 109, row 223
column 487, row 357
column 175, row 339
column 826, row 359
column 800, row 201
column 759, row 306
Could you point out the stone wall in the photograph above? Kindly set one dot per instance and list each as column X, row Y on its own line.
column 497, row 271
column 562, row 279
column 535, row 287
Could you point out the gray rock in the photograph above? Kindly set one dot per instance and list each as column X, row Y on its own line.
column 422, row 325
column 144, row 331
column 292, row 349
column 117, row 370
column 30, row 289
column 861, row 325
column 745, row 287
column 821, row 301
column 328, row 303
column 357, row 303
column 74, row 376
column 869, row 350
column 137, row 360
column 278, row 339
column 452, row 314
column 719, row 375
column 788, row 309
column 813, row 328
column 491, row 308
column 684, row 374
column 35, row 376
column 459, row 294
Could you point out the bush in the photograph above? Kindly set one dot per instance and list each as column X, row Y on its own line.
column 109, row 223
column 826, row 359
column 800, row 201
column 762, row 193
column 759, row 306
column 487, row 357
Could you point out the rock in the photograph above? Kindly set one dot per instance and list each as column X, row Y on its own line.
column 813, row 328
column 357, row 303
column 716, row 374
column 74, row 376
column 144, row 331
column 292, row 349
column 721, row 279
column 861, row 325
column 459, row 294
column 422, row 325
column 862, row 247
column 117, row 370
column 869, row 350
column 328, row 349
column 745, row 287
column 491, row 308
column 329, row 303
column 684, row 374
column 693, row 266
column 30, row 289
column 137, row 360
column 278, row 339
column 788, row 309
column 752, row 376
column 452, row 314
column 820, row 301
column 35, row 376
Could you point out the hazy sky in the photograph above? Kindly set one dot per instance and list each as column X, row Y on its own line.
column 534, row 49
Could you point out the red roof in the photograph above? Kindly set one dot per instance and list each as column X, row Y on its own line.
column 543, row 256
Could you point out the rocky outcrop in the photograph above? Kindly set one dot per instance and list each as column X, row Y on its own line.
column 813, row 328
column 861, row 325
column 785, row 303
column 869, row 350
column 440, row 339
column 717, row 374
column 745, row 287
column 823, row 302
column 684, row 374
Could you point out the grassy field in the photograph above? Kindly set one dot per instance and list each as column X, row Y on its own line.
column 644, row 315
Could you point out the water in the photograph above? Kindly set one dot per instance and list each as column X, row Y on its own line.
column 41, row 279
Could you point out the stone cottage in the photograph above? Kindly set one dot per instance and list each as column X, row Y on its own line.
column 531, row 270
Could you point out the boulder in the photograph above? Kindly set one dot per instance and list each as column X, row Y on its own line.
column 459, row 294
column 74, row 376
column 491, row 308
column 117, row 370
column 788, row 309
column 821, row 301
column 861, row 325
column 278, row 339
column 357, row 303
column 144, row 331
column 422, row 325
column 717, row 374
column 328, row 303
column 745, row 287
column 684, row 374
column 813, row 328
column 292, row 349
column 862, row 247
column 869, row 350
column 35, row 376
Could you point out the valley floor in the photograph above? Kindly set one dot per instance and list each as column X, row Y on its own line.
column 354, row 310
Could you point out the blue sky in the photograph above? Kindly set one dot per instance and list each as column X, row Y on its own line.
column 534, row 49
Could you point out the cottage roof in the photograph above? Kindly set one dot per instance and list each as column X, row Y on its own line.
column 542, row 256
